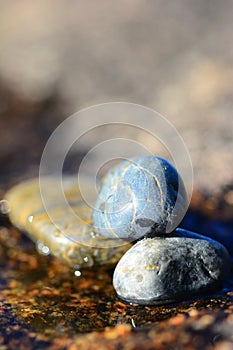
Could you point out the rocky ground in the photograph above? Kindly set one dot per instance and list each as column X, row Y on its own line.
column 44, row 305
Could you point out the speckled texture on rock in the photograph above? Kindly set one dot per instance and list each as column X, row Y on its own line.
column 159, row 270
column 137, row 196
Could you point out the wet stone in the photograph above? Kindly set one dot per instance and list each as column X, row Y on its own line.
column 137, row 196
column 162, row 270
column 63, row 229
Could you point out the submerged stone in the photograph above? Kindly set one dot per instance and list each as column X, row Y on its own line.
column 139, row 196
column 162, row 270
column 64, row 228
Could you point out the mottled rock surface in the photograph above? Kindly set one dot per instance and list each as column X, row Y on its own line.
column 161, row 270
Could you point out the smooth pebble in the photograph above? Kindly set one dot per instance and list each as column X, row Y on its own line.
column 161, row 270
column 139, row 196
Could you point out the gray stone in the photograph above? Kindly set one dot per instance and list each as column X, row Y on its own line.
column 160, row 270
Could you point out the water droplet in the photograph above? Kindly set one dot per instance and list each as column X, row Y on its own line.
column 30, row 218
column 133, row 323
column 42, row 249
column 77, row 273
column 93, row 234
column 86, row 259
column 4, row 207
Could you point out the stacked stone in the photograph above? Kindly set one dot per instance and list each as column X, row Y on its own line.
column 145, row 200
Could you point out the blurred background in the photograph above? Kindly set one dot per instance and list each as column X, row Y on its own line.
column 173, row 56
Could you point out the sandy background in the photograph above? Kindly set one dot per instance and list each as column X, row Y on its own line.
column 173, row 56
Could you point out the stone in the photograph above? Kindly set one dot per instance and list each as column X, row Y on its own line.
column 139, row 196
column 65, row 229
column 162, row 270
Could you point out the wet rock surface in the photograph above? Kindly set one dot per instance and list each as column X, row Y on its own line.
column 44, row 305
column 167, row 269
column 67, row 234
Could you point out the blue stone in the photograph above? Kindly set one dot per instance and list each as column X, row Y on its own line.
column 140, row 196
